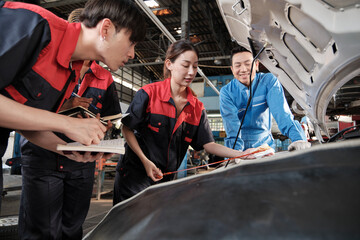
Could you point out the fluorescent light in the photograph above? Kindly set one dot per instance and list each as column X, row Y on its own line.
column 152, row 4
column 178, row 30
column 126, row 84
column 214, row 115
column 118, row 80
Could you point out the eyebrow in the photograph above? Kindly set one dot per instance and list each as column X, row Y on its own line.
column 243, row 61
column 189, row 61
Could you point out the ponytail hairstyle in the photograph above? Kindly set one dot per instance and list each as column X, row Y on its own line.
column 74, row 16
column 174, row 51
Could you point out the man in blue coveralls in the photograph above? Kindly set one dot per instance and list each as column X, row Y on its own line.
column 267, row 99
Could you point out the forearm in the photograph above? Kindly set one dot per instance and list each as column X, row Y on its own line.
column 133, row 143
column 280, row 110
column 221, row 151
column 48, row 140
column 151, row 170
column 45, row 139
column 14, row 115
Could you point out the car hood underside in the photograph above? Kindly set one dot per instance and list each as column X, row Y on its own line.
column 312, row 46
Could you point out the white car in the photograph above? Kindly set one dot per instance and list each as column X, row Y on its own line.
column 313, row 47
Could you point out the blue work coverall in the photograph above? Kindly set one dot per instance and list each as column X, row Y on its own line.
column 268, row 98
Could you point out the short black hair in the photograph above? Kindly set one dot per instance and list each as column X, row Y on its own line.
column 123, row 14
column 236, row 50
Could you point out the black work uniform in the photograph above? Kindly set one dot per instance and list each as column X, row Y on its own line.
column 35, row 51
column 56, row 191
column 163, row 137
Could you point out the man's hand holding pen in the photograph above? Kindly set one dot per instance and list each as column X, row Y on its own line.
column 76, row 101
column 82, row 99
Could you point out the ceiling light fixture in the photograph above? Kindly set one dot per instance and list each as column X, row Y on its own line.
column 178, row 30
column 151, row 3
column 217, row 61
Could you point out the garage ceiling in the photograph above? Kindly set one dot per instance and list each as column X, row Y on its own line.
column 207, row 30
column 210, row 35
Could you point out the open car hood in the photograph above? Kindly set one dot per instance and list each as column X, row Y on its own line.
column 307, row 194
column 312, row 46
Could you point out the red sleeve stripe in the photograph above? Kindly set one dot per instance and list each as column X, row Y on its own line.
column 15, row 94
column 188, row 139
column 155, row 129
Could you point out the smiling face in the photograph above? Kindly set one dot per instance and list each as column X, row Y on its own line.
column 241, row 67
column 184, row 68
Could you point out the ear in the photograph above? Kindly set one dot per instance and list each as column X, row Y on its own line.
column 106, row 28
column 168, row 64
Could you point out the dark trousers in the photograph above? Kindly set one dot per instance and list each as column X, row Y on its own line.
column 1, row 182
column 54, row 204
column 129, row 181
column 4, row 136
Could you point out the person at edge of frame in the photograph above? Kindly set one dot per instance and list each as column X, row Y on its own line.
column 68, row 201
column 40, row 60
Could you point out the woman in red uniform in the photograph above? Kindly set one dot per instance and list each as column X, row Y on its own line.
column 164, row 119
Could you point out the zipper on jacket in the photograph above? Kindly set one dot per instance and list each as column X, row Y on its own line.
column 172, row 132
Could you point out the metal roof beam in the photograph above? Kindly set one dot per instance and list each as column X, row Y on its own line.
column 162, row 62
column 185, row 20
column 161, row 26
column 216, row 33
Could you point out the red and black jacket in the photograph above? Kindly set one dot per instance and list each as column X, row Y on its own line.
column 35, row 52
column 97, row 84
column 163, row 137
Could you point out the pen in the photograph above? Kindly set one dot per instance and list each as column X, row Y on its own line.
column 76, row 95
